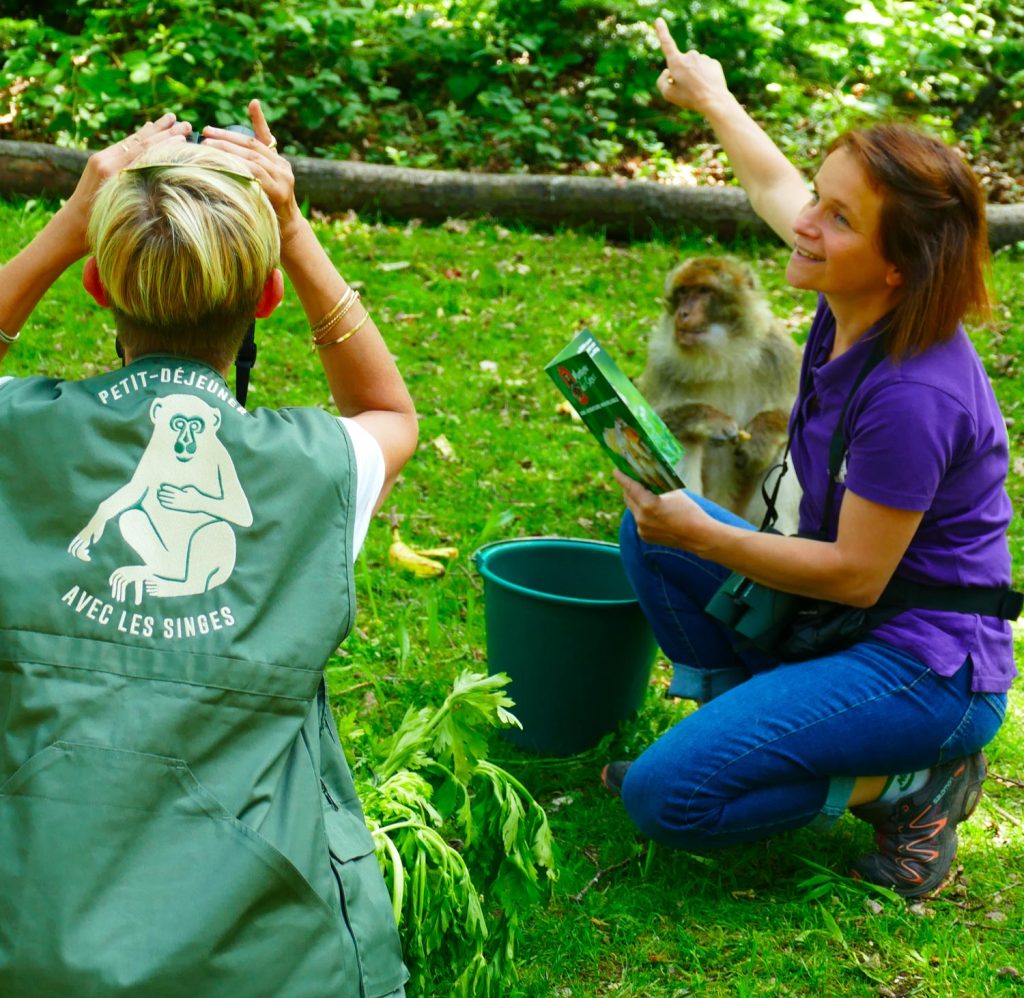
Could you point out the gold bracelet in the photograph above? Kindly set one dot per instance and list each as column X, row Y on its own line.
column 324, row 321
column 344, row 336
column 318, row 336
column 345, row 302
column 5, row 338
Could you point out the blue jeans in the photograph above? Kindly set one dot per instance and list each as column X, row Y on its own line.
column 776, row 746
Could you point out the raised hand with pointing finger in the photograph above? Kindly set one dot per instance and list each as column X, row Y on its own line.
column 691, row 79
column 696, row 82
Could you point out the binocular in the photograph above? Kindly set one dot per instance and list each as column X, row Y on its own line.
column 761, row 615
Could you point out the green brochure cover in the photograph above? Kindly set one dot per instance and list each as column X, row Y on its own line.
column 615, row 412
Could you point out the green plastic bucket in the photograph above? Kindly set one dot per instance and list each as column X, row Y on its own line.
column 563, row 623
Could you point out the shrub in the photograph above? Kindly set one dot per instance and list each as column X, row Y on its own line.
column 504, row 84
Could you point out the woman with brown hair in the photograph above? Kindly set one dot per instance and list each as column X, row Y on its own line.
column 902, row 454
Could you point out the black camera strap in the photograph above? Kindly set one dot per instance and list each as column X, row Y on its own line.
column 989, row 601
column 244, row 363
column 837, row 447
column 771, row 513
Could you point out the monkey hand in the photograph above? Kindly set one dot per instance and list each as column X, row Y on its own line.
column 696, row 422
column 763, row 439
column 86, row 537
column 672, row 519
column 182, row 500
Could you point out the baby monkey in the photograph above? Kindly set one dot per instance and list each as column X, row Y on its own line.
column 723, row 373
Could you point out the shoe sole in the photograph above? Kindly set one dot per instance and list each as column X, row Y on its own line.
column 974, row 791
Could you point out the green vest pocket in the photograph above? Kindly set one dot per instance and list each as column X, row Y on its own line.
column 365, row 902
column 124, row 876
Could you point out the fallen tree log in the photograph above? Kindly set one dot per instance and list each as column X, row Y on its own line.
column 623, row 208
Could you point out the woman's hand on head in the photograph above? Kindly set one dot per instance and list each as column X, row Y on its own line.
column 103, row 165
column 672, row 519
column 690, row 79
column 272, row 170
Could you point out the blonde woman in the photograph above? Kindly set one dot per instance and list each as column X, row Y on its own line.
column 176, row 813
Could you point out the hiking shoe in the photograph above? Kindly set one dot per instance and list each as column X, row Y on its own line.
column 613, row 774
column 916, row 835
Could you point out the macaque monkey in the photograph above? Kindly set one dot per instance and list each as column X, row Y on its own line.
column 722, row 373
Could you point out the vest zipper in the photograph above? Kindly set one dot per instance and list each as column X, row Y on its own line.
column 327, row 794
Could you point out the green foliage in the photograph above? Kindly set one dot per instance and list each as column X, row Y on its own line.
column 505, row 84
column 466, row 849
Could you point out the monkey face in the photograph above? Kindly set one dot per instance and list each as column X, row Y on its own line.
column 704, row 298
column 690, row 308
column 184, row 423
column 188, row 431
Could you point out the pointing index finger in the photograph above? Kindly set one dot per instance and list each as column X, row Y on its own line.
column 668, row 44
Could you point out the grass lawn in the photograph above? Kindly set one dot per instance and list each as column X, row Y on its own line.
column 472, row 312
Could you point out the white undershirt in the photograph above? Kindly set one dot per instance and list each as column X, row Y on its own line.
column 369, row 468
column 369, row 471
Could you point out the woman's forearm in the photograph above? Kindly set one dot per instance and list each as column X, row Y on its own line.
column 776, row 188
column 26, row 278
column 363, row 378
column 797, row 565
column 854, row 568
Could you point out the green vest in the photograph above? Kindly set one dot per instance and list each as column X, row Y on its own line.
column 176, row 813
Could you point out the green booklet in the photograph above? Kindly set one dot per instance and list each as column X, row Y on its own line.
column 615, row 412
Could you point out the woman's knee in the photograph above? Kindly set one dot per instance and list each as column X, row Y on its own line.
column 667, row 808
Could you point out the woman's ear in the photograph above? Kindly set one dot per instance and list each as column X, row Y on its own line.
column 894, row 278
column 92, row 283
column 273, row 292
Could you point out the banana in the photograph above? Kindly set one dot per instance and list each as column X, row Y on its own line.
column 446, row 553
column 402, row 556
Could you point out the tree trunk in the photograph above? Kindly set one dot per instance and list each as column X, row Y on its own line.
column 623, row 208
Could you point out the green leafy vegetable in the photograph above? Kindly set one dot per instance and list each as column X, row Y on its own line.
column 466, row 850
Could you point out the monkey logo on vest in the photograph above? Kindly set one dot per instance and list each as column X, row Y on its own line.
column 177, row 510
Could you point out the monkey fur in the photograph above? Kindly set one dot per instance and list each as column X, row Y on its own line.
column 723, row 373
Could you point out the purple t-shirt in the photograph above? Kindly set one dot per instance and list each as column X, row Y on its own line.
column 923, row 434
